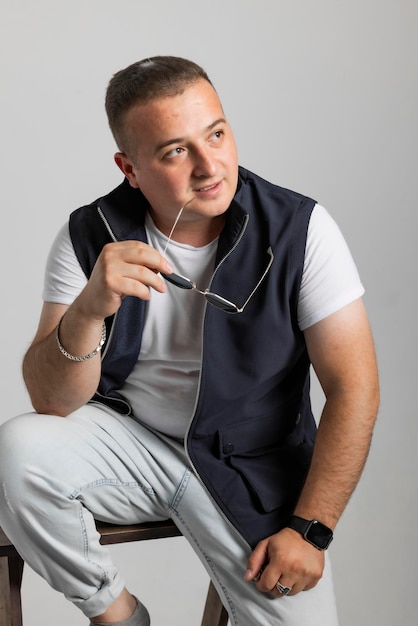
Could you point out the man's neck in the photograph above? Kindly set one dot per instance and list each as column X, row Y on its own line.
column 197, row 232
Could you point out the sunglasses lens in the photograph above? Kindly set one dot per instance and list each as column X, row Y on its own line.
column 220, row 302
column 178, row 281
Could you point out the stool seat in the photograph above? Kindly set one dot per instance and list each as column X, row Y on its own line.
column 11, row 570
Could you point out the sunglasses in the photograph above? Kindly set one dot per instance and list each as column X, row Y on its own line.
column 212, row 298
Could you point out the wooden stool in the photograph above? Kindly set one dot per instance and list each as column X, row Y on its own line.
column 11, row 570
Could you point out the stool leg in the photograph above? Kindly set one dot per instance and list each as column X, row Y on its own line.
column 11, row 570
column 4, row 592
column 215, row 613
column 16, row 564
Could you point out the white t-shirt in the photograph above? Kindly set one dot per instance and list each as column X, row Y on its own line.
column 162, row 386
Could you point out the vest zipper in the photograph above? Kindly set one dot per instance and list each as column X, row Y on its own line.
column 247, row 217
column 186, row 437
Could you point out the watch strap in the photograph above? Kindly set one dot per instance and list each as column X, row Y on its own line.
column 299, row 524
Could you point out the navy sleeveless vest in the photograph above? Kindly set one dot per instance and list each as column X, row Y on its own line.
column 252, row 434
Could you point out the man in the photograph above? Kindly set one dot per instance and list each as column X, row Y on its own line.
column 199, row 406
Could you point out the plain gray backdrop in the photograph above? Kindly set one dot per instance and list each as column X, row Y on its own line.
column 322, row 97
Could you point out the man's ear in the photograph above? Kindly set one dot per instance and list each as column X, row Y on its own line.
column 127, row 168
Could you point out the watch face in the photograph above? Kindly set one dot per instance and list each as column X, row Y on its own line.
column 319, row 535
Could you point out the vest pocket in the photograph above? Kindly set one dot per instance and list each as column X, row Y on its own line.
column 271, row 455
column 276, row 476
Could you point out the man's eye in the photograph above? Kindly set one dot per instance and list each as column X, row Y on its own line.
column 217, row 136
column 173, row 153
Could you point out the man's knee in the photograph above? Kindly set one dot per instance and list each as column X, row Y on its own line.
column 26, row 447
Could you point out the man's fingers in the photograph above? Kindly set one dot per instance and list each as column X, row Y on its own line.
column 256, row 562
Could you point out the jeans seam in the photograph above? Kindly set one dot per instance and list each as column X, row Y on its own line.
column 176, row 499
column 102, row 482
column 85, row 542
column 110, row 482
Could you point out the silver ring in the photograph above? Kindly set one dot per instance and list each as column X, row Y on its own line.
column 283, row 589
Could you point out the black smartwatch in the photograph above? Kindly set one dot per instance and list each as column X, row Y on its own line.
column 314, row 532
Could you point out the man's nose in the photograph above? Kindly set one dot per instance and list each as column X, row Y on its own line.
column 204, row 163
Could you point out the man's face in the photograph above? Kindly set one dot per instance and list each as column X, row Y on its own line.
column 185, row 152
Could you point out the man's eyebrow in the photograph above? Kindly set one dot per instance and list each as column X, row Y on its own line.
column 175, row 140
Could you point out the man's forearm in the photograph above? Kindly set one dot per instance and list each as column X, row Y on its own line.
column 56, row 384
column 340, row 452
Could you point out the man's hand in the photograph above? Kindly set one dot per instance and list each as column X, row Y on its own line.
column 127, row 268
column 286, row 558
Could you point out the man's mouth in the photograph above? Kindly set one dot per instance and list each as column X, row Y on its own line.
column 208, row 187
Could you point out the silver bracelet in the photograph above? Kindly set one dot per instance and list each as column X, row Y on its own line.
column 86, row 357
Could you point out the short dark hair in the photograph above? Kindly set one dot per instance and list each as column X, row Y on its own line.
column 155, row 77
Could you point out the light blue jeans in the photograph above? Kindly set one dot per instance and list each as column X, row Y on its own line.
column 59, row 474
